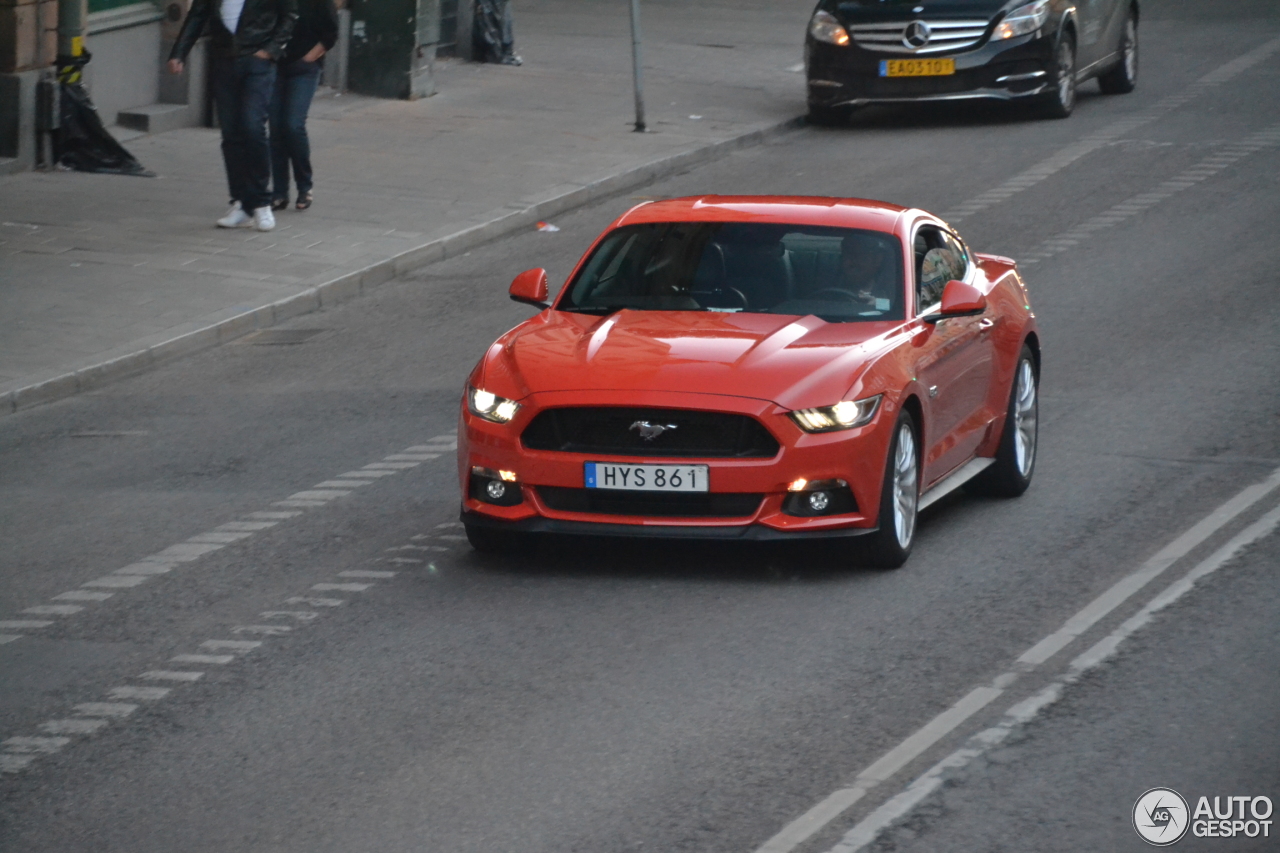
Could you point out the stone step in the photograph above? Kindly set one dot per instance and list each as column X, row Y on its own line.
column 156, row 118
column 10, row 166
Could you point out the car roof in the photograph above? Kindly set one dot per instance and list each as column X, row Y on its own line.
column 772, row 209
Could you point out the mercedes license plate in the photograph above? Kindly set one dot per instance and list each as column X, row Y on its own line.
column 917, row 67
column 648, row 478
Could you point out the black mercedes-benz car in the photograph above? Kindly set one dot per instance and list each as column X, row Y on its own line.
column 861, row 52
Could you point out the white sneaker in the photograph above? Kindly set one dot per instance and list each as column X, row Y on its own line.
column 264, row 219
column 235, row 218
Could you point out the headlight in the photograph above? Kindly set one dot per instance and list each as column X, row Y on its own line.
column 845, row 415
column 825, row 27
column 490, row 406
column 1023, row 20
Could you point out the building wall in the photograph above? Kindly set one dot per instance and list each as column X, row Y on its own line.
column 124, row 38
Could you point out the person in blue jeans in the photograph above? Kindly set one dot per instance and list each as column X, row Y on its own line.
column 246, row 39
column 295, row 86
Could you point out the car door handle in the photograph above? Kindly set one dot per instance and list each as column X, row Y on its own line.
column 985, row 323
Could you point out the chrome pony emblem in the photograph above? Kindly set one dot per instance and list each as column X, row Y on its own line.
column 916, row 35
column 650, row 431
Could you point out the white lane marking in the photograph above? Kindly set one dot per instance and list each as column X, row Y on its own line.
column 278, row 516
column 799, row 830
column 35, row 744
column 364, row 474
column 82, row 595
column 300, row 615
column 1105, row 136
column 307, row 504
column 319, row 494
column 448, row 524
column 24, row 624
column 105, row 709
column 1144, row 201
column 117, row 581
column 262, row 630
column 214, row 659
column 342, row 484
column 341, row 587
column 867, row 830
column 1148, row 571
column 411, row 457
column 315, row 602
column 443, row 447
column 365, row 573
column 404, row 560
column 378, row 466
column 414, row 548
column 72, row 727
column 145, row 693
column 221, row 537
column 14, row 763
column 230, row 645
column 54, row 609
column 451, row 537
column 184, row 552
column 145, row 569
column 9, row 638
column 252, row 526
column 171, row 675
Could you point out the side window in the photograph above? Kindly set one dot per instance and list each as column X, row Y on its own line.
column 940, row 257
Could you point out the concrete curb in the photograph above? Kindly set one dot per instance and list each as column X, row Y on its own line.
column 499, row 224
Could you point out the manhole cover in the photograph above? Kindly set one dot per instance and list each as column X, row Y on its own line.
column 279, row 337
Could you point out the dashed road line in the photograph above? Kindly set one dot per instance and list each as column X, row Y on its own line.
column 1144, row 201
column 1088, row 144
column 165, row 561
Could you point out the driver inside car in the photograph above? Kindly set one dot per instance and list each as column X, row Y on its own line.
column 867, row 270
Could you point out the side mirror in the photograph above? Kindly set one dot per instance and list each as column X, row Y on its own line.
column 959, row 300
column 530, row 287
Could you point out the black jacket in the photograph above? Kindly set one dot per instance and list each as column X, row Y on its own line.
column 317, row 24
column 264, row 25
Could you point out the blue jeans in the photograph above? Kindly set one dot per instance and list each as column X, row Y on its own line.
column 295, row 86
column 242, row 89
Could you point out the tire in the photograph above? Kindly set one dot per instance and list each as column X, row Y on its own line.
column 486, row 540
column 829, row 116
column 1060, row 102
column 1016, row 456
column 890, row 545
column 1122, row 79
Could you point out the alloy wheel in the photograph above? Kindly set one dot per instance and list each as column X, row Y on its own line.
column 905, row 486
column 1025, row 418
column 1066, row 75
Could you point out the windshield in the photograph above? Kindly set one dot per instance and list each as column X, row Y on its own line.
column 838, row 274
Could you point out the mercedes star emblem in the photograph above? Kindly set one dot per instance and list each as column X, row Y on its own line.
column 916, row 35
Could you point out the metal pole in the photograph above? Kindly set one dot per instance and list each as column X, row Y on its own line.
column 635, row 64
column 71, row 15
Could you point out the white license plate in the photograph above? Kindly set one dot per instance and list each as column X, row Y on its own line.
column 648, row 478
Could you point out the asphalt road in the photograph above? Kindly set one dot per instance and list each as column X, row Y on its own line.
column 598, row 697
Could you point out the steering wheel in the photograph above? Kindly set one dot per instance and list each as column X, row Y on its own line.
column 844, row 294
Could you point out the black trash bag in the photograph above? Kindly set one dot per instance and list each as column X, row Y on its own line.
column 491, row 37
column 82, row 142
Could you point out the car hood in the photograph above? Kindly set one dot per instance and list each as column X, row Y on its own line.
column 868, row 11
column 793, row 361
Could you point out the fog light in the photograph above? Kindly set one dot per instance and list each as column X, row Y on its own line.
column 819, row 501
column 495, row 489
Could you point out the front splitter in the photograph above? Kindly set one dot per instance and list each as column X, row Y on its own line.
column 742, row 533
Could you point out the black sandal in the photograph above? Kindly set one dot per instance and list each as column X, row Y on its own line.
column 304, row 201
column 279, row 203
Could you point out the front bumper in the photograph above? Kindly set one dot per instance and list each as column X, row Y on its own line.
column 856, row 456
column 1006, row 70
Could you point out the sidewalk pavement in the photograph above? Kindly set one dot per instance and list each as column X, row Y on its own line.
column 103, row 276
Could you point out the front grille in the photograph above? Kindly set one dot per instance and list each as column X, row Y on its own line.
column 944, row 36
column 667, row 504
column 615, row 431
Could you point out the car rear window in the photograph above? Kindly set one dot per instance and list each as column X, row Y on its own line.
column 838, row 274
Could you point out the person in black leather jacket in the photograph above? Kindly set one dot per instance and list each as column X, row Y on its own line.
column 247, row 38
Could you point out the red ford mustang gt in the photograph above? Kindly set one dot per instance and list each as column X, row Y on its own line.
column 754, row 367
